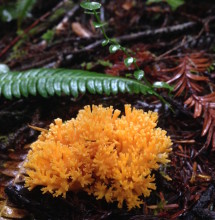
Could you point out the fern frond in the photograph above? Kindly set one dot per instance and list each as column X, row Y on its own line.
column 205, row 105
column 189, row 80
column 50, row 82
column 188, row 73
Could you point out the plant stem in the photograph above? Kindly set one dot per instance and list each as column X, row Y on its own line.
column 126, row 52
column 121, row 48
column 101, row 28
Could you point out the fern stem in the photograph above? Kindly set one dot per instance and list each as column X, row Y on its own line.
column 101, row 28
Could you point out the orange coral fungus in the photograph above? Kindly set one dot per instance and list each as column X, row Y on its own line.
column 101, row 153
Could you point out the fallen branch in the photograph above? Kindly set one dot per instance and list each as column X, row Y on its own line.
column 17, row 38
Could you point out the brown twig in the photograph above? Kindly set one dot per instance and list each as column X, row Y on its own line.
column 17, row 38
column 159, row 31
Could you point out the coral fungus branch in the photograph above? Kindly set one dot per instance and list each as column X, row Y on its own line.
column 100, row 153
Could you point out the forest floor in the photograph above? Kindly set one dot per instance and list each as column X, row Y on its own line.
column 175, row 45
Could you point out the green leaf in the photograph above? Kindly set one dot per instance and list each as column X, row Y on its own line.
column 98, row 25
column 65, row 86
column 74, row 87
column 91, row 86
column 41, row 87
column 114, row 86
column 122, row 86
column 114, row 41
column 57, row 85
column 114, row 47
column 91, row 6
column 50, row 86
column 105, row 42
column 106, row 86
column 50, row 82
column 148, row 2
column 48, row 36
column 129, row 75
column 23, row 8
column 128, row 61
column 174, row 4
column 8, row 14
column 32, row 86
column 98, row 86
column 6, row 90
column 16, row 88
column 163, row 85
column 106, row 63
column 4, row 68
column 139, row 74
column 82, row 85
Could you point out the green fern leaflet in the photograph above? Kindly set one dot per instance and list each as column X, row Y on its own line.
column 50, row 82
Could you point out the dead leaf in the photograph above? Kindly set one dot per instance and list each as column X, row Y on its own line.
column 80, row 30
